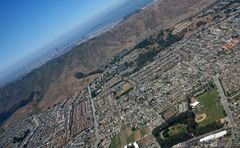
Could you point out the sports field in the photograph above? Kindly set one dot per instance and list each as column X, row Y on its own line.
column 210, row 104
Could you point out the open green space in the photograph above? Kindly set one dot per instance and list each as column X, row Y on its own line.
column 213, row 114
column 120, row 139
column 177, row 129
column 126, row 136
column 114, row 142
column 210, row 104
column 184, row 126
column 209, row 98
column 130, row 138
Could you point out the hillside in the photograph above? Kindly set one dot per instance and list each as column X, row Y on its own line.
column 54, row 81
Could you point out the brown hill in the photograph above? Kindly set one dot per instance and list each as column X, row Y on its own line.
column 55, row 81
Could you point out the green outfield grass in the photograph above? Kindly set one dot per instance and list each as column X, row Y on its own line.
column 210, row 104
column 209, row 98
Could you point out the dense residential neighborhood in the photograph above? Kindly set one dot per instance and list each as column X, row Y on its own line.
column 178, row 87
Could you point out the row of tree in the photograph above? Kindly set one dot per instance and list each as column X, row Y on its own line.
column 163, row 39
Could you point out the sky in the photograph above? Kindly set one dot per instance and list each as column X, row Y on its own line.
column 28, row 25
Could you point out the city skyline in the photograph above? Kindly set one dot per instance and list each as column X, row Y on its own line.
column 29, row 26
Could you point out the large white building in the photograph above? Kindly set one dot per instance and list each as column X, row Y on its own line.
column 213, row 136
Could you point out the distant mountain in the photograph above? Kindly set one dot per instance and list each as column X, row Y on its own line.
column 90, row 29
column 54, row 81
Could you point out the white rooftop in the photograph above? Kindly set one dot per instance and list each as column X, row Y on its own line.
column 132, row 144
column 194, row 104
column 213, row 136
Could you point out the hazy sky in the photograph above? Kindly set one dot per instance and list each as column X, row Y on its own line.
column 27, row 25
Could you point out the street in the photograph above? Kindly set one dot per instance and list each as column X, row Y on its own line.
column 224, row 102
column 96, row 125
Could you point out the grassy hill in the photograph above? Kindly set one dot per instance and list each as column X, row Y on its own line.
column 54, row 81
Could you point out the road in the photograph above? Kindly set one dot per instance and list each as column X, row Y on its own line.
column 134, row 83
column 223, row 99
column 234, row 96
column 79, row 98
column 224, row 102
column 96, row 124
column 30, row 135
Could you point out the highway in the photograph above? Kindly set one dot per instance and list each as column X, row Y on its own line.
column 96, row 125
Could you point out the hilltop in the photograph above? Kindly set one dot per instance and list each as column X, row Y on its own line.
column 54, row 82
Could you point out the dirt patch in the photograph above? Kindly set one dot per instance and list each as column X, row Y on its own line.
column 201, row 117
column 137, row 135
column 144, row 142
